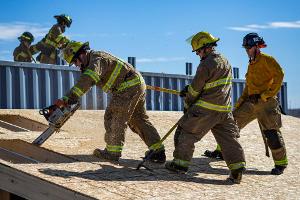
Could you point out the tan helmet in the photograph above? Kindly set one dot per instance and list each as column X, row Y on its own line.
column 72, row 49
column 201, row 40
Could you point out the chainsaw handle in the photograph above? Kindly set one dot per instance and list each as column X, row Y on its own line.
column 46, row 112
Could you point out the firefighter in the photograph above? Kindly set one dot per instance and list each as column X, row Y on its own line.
column 53, row 41
column 22, row 53
column 127, row 104
column 208, row 107
column 259, row 101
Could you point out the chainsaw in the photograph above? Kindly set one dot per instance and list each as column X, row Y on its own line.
column 56, row 117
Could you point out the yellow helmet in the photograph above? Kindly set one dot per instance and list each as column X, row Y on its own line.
column 72, row 49
column 201, row 39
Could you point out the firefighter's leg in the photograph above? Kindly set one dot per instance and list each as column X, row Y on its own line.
column 226, row 133
column 140, row 124
column 270, row 120
column 111, row 152
column 116, row 118
column 243, row 115
column 192, row 127
column 184, row 149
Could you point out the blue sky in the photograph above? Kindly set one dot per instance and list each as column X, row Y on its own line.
column 155, row 31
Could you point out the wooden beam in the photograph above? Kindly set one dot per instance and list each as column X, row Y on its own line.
column 26, row 152
column 4, row 195
column 12, row 127
column 34, row 188
column 23, row 122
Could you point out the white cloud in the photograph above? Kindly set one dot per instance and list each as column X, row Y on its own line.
column 242, row 29
column 10, row 31
column 271, row 25
column 160, row 59
column 285, row 24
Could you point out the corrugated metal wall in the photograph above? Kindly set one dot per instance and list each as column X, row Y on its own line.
column 34, row 86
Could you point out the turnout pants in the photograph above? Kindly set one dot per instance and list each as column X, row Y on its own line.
column 127, row 108
column 196, row 123
column 269, row 118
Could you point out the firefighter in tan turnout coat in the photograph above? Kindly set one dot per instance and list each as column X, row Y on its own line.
column 259, row 101
column 22, row 53
column 127, row 105
column 208, row 103
column 53, row 40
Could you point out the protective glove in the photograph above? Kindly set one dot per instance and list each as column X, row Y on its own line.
column 253, row 98
column 60, row 103
column 264, row 97
column 184, row 91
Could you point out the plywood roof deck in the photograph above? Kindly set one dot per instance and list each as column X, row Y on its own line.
column 86, row 177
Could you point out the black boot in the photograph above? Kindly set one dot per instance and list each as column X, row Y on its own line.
column 176, row 168
column 278, row 169
column 235, row 176
column 104, row 154
column 213, row 154
column 158, row 156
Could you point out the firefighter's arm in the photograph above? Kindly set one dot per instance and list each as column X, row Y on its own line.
column 20, row 55
column 195, row 88
column 88, row 78
column 34, row 49
column 56, row 38
column 277, row 74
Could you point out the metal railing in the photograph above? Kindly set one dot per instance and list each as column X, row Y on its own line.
column 34, row 86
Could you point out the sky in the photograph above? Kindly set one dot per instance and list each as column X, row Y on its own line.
column 154, row 31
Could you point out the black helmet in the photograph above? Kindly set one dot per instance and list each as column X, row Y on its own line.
column 64, row 18
column 26, row 36
column 253, row 39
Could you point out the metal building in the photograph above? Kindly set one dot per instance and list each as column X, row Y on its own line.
column 34, row 86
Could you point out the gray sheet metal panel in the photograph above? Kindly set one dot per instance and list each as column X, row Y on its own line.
column 33, row 86
column 9, row 89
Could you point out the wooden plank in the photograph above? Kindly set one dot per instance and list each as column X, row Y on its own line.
column 34, row 188
column 23, row 122
column 4, row 195
column 14, row 157
column 12, row 127
column 34, row 152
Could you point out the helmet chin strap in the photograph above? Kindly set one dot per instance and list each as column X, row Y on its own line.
column 82, row 66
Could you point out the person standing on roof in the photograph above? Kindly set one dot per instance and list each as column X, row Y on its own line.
column 127, row 104
column 208, row 107
column 22, row 53
column 259, row 101
column 53, row 40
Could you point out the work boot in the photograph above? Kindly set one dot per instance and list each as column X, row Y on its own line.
column 158, row 156
column 213, row 154
column 176, row 168
column 278, row 169
column 235, row 176
column 104, row 154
